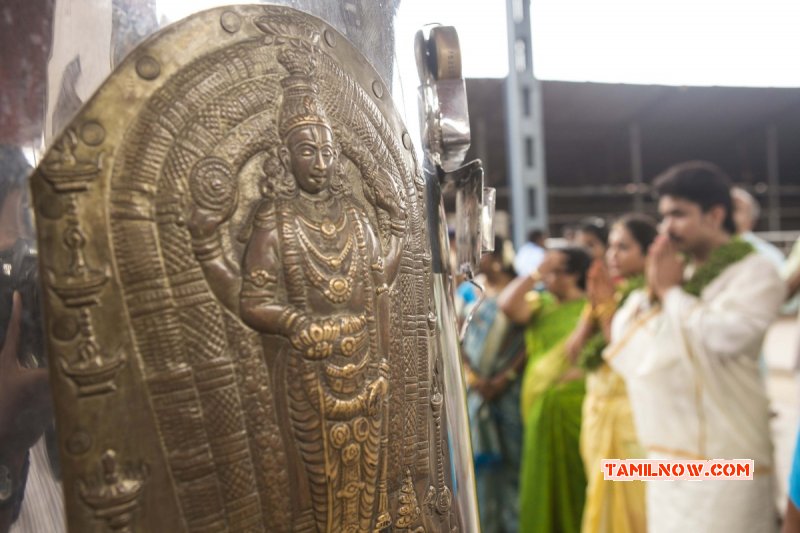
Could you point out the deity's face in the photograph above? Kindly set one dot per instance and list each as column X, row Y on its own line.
column 310, row 155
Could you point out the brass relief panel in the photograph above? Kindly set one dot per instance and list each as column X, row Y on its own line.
column 238, row 286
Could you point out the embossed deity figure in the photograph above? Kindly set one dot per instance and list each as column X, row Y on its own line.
column 314, row 273
column 240, row 258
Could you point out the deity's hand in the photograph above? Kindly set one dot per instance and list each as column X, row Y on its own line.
column 203, row 223
column 315, row 340
column 383, row 195
column 387, row 201
column 214, row 196
column 376, row 392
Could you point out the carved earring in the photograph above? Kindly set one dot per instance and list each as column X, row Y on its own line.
column 283, row 156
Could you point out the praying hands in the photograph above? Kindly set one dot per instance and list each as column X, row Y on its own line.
column 664, row 266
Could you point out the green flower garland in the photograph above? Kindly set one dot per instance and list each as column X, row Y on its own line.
column 732, row 251
column 591, row 356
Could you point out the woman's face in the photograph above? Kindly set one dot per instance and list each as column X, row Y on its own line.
column 554, row 273
column 625, row 257
column 589, row 241
column 490, row 264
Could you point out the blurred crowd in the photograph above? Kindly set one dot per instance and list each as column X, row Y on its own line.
column 629, row 339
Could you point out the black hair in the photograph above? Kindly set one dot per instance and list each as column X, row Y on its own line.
column 498, row 255
column 699, row 182
column 642, row 228
column 14, row 169
column 535, row 236
column 595, row 226
column 578, row 262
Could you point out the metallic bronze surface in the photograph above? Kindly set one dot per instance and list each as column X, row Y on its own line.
column 241, row 255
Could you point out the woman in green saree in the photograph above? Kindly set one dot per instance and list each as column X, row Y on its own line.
column 552, row 482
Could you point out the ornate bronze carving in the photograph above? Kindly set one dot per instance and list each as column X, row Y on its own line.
column 251, row 234
column 113, row 494
column 79, row 286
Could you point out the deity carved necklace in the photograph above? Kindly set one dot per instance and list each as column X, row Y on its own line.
column 338, row 287
column 327, row 228
column 332, row 262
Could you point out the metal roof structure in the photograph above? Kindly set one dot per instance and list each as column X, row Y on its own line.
column 605, row 142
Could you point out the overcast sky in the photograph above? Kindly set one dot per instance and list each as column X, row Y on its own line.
column 675, row 42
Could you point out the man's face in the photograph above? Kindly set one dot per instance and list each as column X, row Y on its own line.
column 687, row 225
column 311, row 156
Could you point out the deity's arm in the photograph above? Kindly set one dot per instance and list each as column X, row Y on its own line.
column 383, row 196
column 388, row 264
column 392, row 260
column 223, row 276
column 260, row 306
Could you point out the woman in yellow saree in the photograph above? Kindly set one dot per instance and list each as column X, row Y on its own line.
column 607, row 429
column 552, row 482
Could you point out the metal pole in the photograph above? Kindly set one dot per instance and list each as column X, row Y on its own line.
column 635, row 143
column 525, row 127
column 773, row 175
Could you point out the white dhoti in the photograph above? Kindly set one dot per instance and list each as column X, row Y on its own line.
column 711, row 506
column 691, row 369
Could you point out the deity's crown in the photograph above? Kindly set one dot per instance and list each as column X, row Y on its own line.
column 300, row 106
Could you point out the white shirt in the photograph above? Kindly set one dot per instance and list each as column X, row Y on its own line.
column 528, row 258
column 765, row 248
column 691, row 369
